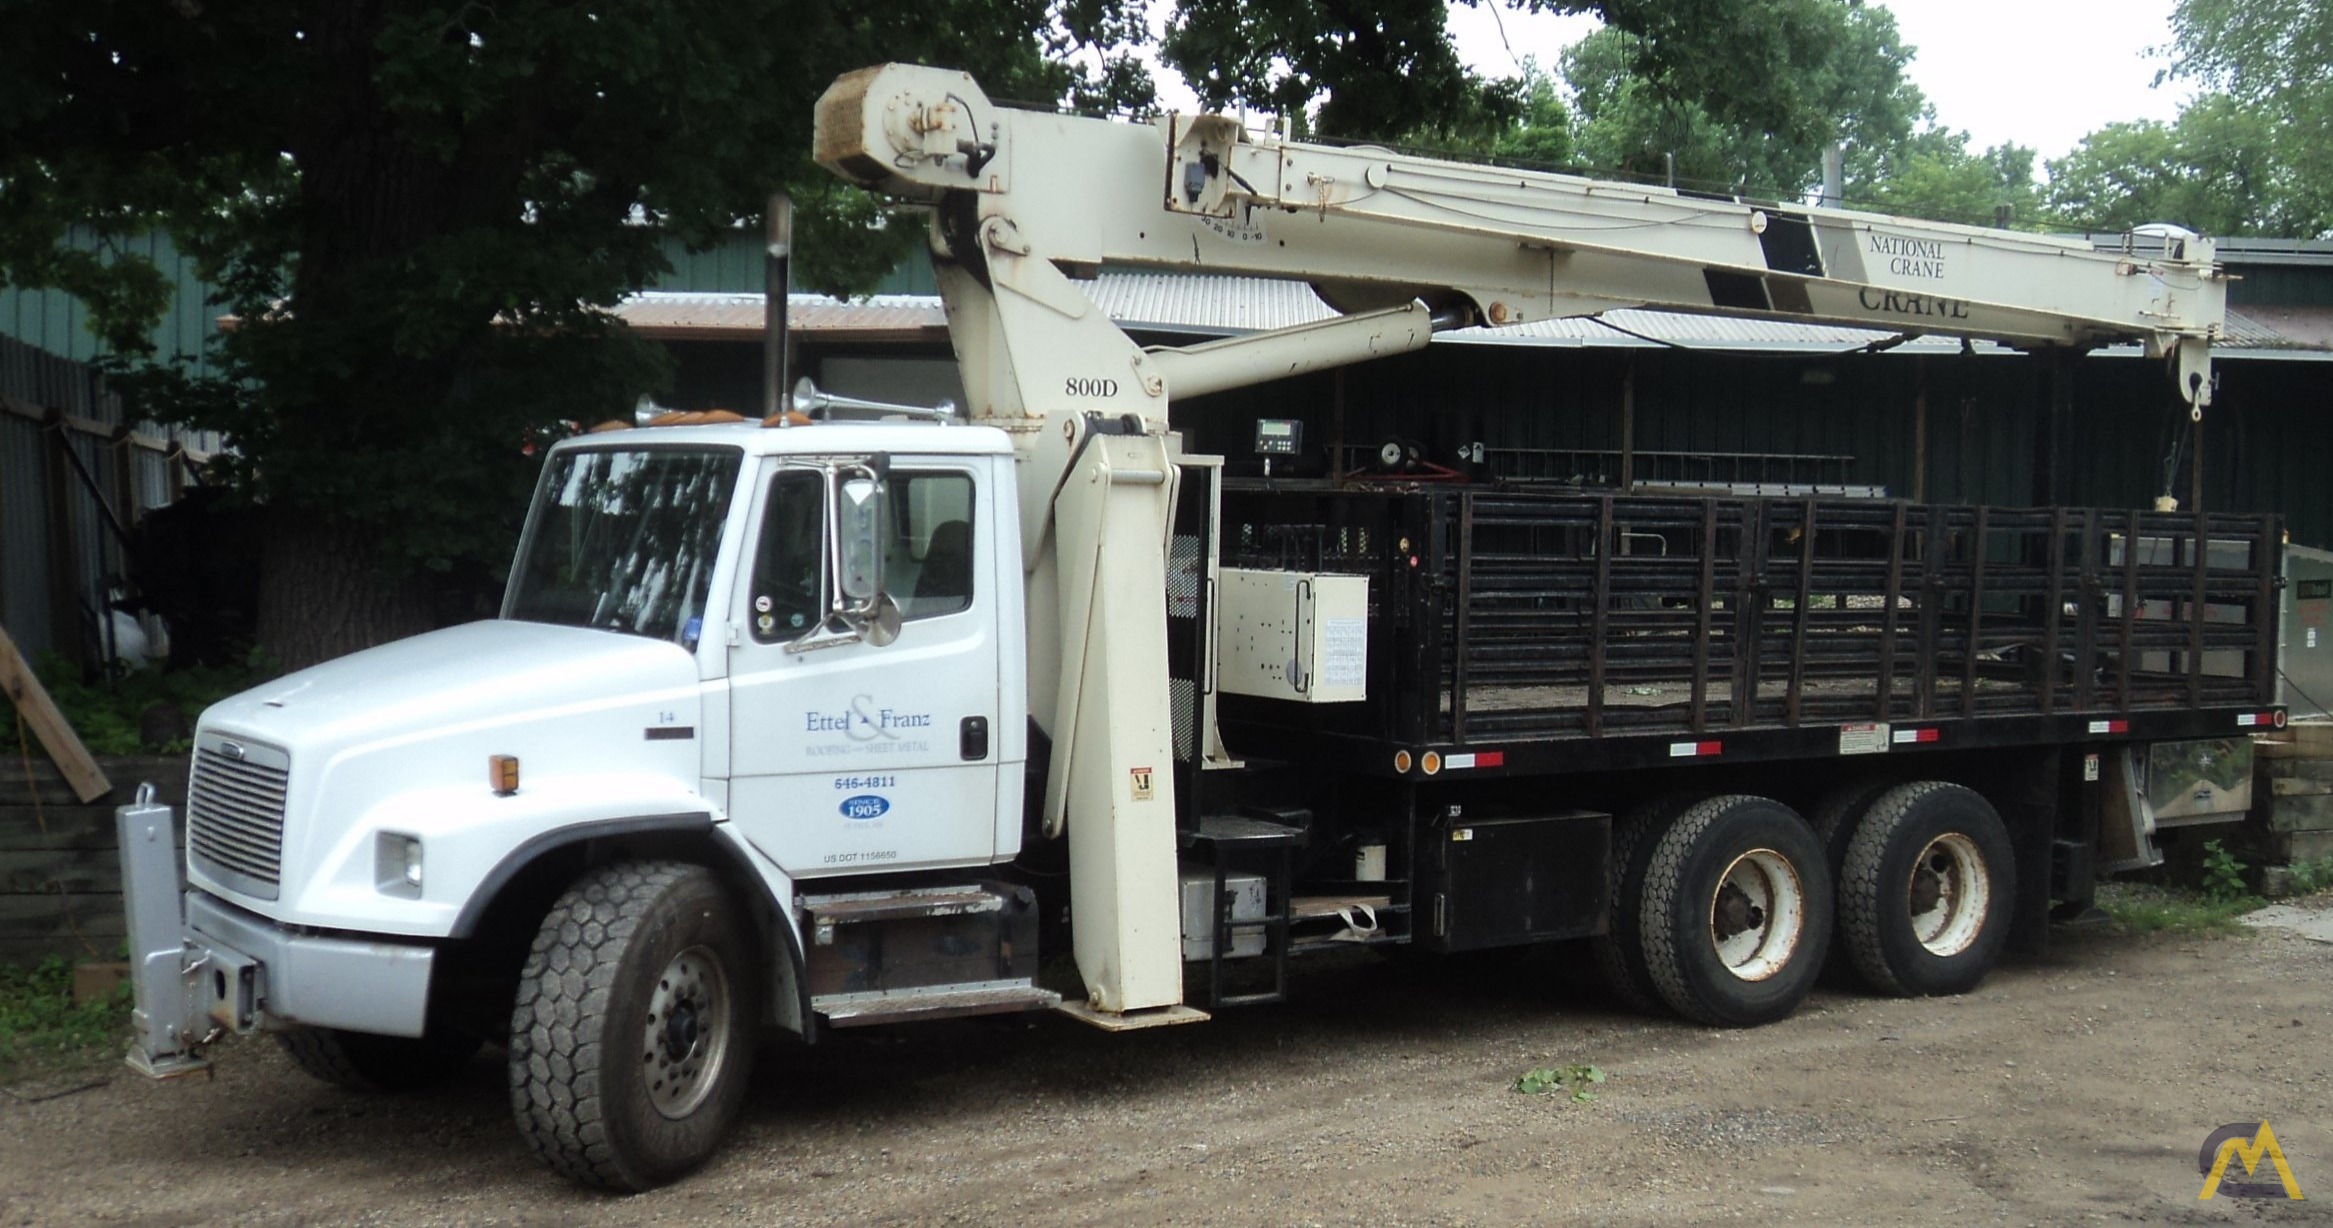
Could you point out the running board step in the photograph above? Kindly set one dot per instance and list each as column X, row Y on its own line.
column 856, row 1010
column 923, row 952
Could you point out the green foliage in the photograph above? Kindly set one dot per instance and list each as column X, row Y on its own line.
column 2223, row 875
column 1375, row 69
column 1385, row 69
column 2273, row 59
column 418, row 213
column 41, row 1025
column 106, row 714
column 1850, row 89
column 1574, row 1081
column 2218, row 169
column 1934, row 174
column 2138, row 908
column 2310, row 877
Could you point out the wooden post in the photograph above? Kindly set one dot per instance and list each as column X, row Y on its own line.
column 49, row 725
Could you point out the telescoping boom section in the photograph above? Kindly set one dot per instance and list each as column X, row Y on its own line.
column 1026, row 201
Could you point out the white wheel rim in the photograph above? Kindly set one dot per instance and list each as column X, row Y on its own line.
column 1757, row 914
column 1948, row 894
column 687, row 1033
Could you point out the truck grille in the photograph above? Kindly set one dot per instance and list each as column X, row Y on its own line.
column 235, row 813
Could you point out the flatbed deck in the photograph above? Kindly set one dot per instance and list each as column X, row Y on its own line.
column 1510, row 621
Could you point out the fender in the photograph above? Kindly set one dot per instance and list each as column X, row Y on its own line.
column 700, row 830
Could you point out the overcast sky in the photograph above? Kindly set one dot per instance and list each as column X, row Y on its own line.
column 2041, row 73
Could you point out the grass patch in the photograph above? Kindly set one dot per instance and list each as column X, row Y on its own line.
column 43, row 1030
column 2310, row 877
column 2142, row 908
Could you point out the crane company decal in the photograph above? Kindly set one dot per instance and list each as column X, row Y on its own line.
column 868, row 728
column 1909, row 257
column 2247, row 1143
column 1922, row 305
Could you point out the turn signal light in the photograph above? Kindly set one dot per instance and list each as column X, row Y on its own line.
column 502, row 773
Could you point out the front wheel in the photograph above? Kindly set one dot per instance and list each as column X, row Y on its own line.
column 1924, row 897
column 632, row 1039
column 1737, row 912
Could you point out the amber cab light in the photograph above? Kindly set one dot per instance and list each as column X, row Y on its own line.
column 502, row 773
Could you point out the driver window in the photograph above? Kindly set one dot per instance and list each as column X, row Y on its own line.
column 787, row 594
column 927, row 565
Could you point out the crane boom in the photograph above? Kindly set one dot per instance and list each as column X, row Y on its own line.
column 1372, row 229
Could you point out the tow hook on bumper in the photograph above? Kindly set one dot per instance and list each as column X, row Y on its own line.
column 165, row 973
column 202, row 968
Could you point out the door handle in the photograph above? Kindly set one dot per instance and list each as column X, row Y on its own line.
column 972, row 739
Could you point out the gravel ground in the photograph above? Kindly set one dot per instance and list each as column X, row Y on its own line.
column 2072, row 1088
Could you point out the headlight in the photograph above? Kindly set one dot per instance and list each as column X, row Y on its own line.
column 397, row 864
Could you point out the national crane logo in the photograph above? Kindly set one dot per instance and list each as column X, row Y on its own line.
column 1909, row 257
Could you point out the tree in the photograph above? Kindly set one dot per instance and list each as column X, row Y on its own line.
column 1849, row 90
column 1375, row 69
column 1934, row 175
column 2216, row 170
column 2273, row 58
column 416, row 210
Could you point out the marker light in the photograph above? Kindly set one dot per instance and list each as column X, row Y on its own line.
column 502, row 774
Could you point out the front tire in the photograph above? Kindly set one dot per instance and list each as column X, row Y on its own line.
column 632, row 1039
column 1925, row 896
column 1736, row 912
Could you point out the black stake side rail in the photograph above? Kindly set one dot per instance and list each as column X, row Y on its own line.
column 1624, row 623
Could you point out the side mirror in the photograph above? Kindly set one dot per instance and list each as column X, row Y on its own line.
column 859, row 525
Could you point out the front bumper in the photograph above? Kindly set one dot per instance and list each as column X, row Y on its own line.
column 201, row 967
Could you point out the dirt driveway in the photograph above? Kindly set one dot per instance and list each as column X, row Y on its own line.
column 2074, row 1088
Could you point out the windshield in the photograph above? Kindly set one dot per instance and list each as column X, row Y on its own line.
column 625, row 540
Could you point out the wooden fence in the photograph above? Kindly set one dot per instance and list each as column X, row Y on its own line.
column 60, row 872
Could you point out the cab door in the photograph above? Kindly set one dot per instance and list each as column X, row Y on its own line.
column 848, row 757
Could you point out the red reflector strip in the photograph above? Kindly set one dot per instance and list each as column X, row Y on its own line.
column 1476, row 759
column 1695, row 750
column 1907, row 736
column 2253, row 720
column 2110, row 726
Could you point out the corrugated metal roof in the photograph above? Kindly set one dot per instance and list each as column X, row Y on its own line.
column 689, row 316
column 1218, row 306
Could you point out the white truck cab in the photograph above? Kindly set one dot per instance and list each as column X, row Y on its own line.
column 680, row 667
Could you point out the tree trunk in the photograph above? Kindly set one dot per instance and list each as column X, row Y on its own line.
column 321, row 596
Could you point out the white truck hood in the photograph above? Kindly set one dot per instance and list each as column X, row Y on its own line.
column 466, row 674
column 397, row 738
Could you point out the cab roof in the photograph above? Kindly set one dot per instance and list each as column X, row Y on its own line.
column 815, row 439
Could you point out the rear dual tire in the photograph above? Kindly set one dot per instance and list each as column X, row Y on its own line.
column 1925, row 890
column 1721, row 910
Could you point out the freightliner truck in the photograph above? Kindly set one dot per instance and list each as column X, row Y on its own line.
column 789, row 727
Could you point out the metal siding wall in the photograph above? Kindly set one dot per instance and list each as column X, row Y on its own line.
column 29, row 497
column 57, row 322
column 24, row 534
